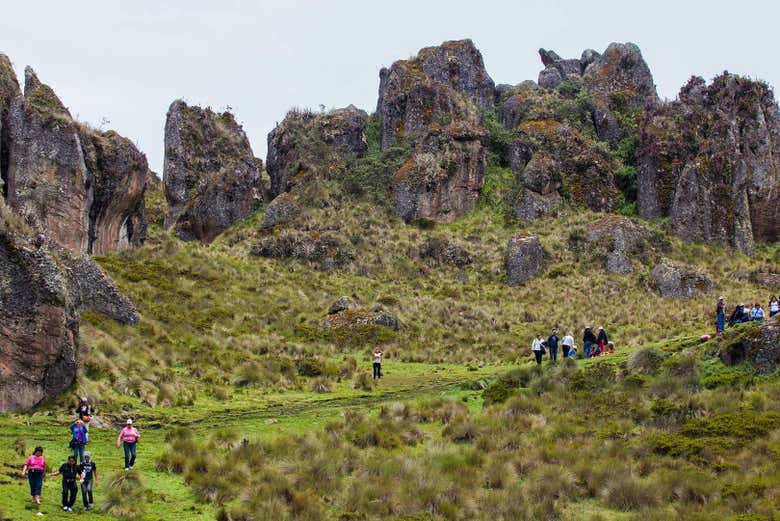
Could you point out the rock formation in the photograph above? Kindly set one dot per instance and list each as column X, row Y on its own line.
column 549, row 158
column 9, row 90
column 306, row 144
column 42, row 291
column 711, row 161
column 211, row 177
column 673, row 279
column 323, row 251
column 759, row 345
column 524, row 258
column 433, row 101
column 614, row 240
column 81, row 187
column 444, row 251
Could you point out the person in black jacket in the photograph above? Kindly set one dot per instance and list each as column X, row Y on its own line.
column 588, row 339
column 84, row 412
column 552, row 344
column 602, row 340
column 70, row 472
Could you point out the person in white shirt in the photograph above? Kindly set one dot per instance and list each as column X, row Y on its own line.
column 568, row 343
column 757, row 314
column 537, row 346
column 774, row 306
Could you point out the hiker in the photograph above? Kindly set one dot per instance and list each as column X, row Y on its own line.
column 573, row 352
column 84, row 411
column 128, row 438
column 738, row 316
column 568, row 343
column 774, row 306
column 88, row 480
column 602, row 339
column 757, row 313
column 70, row 472
column 552, row 344
column 588, row 339
column 610, row 348
column 377, row 363
column 34, row 469
column 537, row 346
column 720, row 316
column 78, row 440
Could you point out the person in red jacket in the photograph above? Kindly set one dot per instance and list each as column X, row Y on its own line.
column 128, row 438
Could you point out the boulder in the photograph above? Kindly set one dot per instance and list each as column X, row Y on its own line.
column 323, row 251
column 557, row 69
column 674, row 279
column 306, row 144
column 524, row 258
column 283, row 209
column 756, row 344
column 549, row 159
column 440, row 85
column 616, row 239
column 443, row 251
column 342, row 303
column 710, row 160
column 48, row 181
column 355, row 316
column 211, row 177
column 42, row 291
column 444, row 176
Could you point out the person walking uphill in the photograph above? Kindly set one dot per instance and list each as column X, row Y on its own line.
column 552, row 344
column 78, row 439
column 588, row 339
column 88, row 480
column 128, row 439
column 34, row 469
column 720, row 316
column 70, row 473
column 377, row 363
column 537, row 346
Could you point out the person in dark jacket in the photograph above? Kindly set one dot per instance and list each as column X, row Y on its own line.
column 552, row 344
column 602, row 339
column 70, row 472
column 588, row 339
column 739, row 315
column 84, row 411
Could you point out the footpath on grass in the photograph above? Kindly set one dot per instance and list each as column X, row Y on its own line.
column 250, row 413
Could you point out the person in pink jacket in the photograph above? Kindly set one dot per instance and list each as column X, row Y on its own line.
column 128, row 438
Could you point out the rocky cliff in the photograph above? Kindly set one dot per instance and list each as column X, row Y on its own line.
column 211, row 177
column 710, row 161
column 43, row 289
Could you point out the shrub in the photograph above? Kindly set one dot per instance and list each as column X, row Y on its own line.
column 644, row 361
column 627, row 492
column 125, row 496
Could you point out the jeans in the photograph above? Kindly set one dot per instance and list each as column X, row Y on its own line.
column 129, row 453
column 78, row 453
column 538, row 355
column 377, row 370
column 554, row 353
column 86, row 493
column 69, row 492
column 35, row 477
column 586, row 349
column 721, row 322
column 773, row 313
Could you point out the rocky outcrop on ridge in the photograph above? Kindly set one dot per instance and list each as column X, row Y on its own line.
column 42, row 291
column 81, row 187
column 711, row 161
column 615, row 239
column 211, row 177
column 674, row 279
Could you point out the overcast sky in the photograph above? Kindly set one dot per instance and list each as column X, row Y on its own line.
column 126, row 61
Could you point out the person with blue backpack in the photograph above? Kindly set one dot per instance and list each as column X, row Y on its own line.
column 78, row 440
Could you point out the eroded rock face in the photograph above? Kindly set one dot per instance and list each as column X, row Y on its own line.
column 710, row 161
column 440, row 85
column 443, row 178
column 524, row 258
column 759, row 345
column 306, row 144
column 211, row 177
column 616, row 239
column 546, row 156
column 9, row 89
column 674, row 279
column 42, row 292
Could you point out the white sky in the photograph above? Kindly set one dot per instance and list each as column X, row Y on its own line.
column 126, row 61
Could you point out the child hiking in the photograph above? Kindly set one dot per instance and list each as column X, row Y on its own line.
column 128, row 439
column 377, row 363
column 34, row 469
column 88, row 480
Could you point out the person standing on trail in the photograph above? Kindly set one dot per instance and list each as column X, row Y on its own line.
column 377, row 363
column 88, row 480
column 537, row 346
column 720, row 316
column 602, row 339
column 588, row 339
column 568, row 343
column 552, row 344
column 128, row 439
column 34, row 469
column 70, row 472
column 774, row 306
column 78, row 439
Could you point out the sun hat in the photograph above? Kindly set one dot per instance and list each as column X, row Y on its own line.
column 129, row 421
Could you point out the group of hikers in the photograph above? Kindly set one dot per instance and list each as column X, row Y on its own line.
column 592, row 345
column 80, row 467
column 743, row 313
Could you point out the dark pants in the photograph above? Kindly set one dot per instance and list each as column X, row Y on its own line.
column 773, row 313
column 129, row 453
column 35, row 478
column 78, row 453
column 86, row 493
column 69, row 493
column 586, row 349
column 538, row 355
column 565, row 350
column 554, row 353
column 377, row 370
